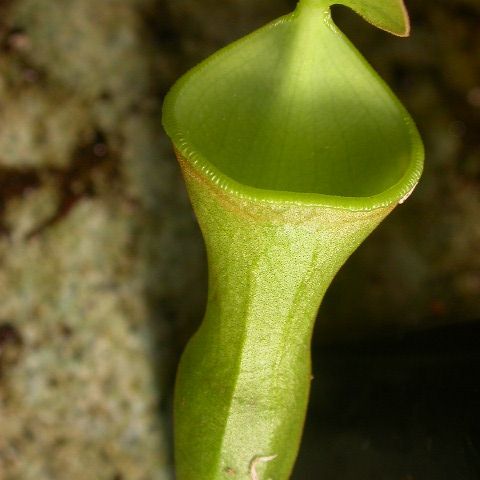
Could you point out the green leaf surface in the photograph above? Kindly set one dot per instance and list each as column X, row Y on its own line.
column 389, row 15
column 293, row 151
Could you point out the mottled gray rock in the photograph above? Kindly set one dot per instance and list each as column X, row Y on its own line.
column 98, row 246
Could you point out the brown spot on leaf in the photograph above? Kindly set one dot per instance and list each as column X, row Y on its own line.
column 230, row 472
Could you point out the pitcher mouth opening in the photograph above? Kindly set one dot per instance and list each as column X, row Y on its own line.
column 294, row 127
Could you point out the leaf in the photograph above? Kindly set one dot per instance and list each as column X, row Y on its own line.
column 389, row 15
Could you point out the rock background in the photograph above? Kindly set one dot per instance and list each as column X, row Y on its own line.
column 102, row 273
column 98, row 245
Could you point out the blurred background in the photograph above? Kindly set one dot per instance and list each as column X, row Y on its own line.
column 102, row 269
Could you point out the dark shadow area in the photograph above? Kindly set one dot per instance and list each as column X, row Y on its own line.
column 402, row 408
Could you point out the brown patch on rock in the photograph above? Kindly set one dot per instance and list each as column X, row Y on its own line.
column 80, row 180
column 14, row 182
column 10, row 345
column 93, row 163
